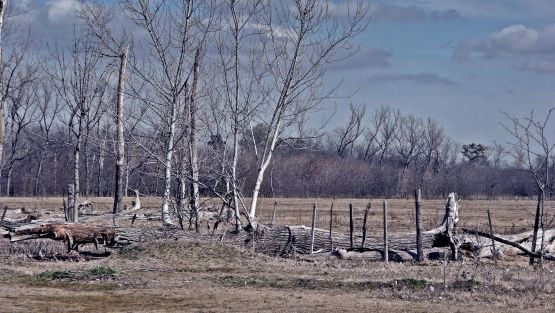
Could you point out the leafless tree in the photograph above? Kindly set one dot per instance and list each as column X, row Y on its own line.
column 21, row 114
column 530, row 135
column 48, row 109
column 347, row 136
column 97, row 17
column 80, row 81
column 301, row 37
column 175, row 32
column 408, row 146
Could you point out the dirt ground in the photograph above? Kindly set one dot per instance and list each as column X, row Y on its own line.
column 197, row 273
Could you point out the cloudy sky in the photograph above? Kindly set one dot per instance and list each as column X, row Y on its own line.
column 461, row 62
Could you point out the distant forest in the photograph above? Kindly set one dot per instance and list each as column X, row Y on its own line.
column 381, row 154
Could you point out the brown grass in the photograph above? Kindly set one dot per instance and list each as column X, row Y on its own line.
column 191, row 275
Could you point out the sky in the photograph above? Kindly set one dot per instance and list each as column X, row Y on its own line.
column 461, row 62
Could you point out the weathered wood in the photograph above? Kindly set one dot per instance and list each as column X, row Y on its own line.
column 72, row 209
column 385, row 239
column 312, row 229
column 492, row 240
column 364, row 221
column 513, row 243
column 351, row 225
column 4, row 213
column 331, row 219
column 419, row 252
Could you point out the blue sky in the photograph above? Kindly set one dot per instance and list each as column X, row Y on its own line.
column 461, row 62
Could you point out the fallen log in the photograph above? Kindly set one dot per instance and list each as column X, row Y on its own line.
column 521, row 242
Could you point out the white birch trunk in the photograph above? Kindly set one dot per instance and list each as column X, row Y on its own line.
column 166, row 217
column 120, row 158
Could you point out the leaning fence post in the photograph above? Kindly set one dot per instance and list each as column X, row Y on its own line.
column 331, row 225
column 419, row 251
column 351, row 226
column 364, row 224
column 385, row 243
column 312, row 229
column 492, row 240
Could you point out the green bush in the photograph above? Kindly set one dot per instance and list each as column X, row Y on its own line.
column 53, row 275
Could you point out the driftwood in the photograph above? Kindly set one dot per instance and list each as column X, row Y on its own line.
column 473, row 240
column 74, row 234
column 286, row 240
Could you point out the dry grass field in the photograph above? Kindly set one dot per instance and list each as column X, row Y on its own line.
column 198, row 273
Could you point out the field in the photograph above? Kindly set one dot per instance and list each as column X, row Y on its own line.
column 198, row 273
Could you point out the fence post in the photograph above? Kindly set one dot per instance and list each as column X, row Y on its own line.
column 364, row 224
column 312, row 229
column 492, row 240
column 351, row 226
column 331, row 218
column 419, row 251
column 385, row 243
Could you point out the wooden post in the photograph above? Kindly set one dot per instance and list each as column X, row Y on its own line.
column 492, row 240
column 312, row 229
column 4, row 213
column 351, row 225
column 419, row 251
column 385, row 243
column 331, row 218
column 364, row 224
column 274, row 214
column 72, row 210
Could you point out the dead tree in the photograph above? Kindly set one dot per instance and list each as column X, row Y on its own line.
column 175, row 33
column 80, row 82
column 348, row 135
column 530, row 136
column 296, row 59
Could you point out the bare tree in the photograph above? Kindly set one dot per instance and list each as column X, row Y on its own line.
column 80, row 82
column 346, row 137
column 302, row 36
column 48, row 109
column 175, row 30
column 408, row 145
column 98, row 17
column 3, row 7
column 530, row 136
column 238, row 59
column 21, row 114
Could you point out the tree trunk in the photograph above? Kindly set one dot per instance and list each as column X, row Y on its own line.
column 120, row 154
column 87, row 162
column 3, row 6
column 38, row 173
column 536, row 223
column 234, row 177
column 260, row 176
column 99, row 191
column 193, row 153
column 9, row 180
column 166, row 217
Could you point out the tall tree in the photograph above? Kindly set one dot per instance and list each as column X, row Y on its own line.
column 302, row 37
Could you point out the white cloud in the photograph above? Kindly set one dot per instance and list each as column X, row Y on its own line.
column 533, row 48
column 60, row 9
